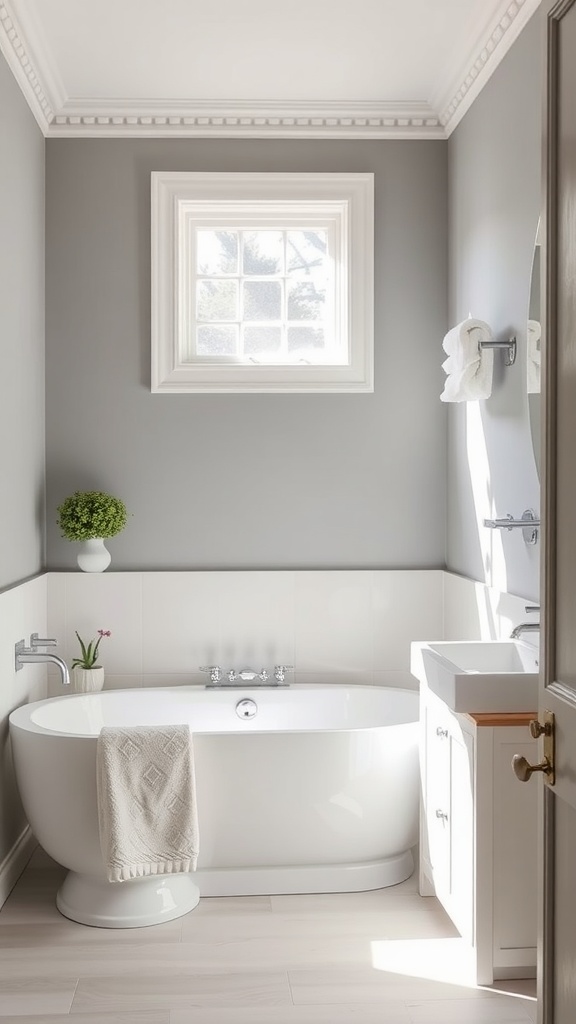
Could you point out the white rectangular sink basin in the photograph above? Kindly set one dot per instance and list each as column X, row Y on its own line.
column 479, row 675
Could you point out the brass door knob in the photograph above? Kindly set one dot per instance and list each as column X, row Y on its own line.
column 537, row 729
column 546, row 729
column 523, row 769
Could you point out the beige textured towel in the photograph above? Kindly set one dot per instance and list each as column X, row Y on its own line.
column 147, row 801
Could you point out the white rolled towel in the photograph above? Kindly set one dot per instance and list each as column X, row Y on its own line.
column 534, row 357
column 469, row 368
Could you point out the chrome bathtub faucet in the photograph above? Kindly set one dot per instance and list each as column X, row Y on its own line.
column 31, row 655
column 248, row 675
column 217, row 676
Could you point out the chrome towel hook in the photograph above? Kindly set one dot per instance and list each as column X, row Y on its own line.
column 510, row 346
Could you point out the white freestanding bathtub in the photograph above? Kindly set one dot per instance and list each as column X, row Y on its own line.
column 302, row 789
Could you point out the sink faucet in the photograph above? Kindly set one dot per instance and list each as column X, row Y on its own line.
column 524, row 627
column 31, row 655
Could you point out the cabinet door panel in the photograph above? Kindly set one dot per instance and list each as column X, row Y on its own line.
column 461, row 891
column 437, row 798
column 515, row 850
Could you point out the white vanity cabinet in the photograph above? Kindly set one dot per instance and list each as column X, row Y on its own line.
column 478, row 842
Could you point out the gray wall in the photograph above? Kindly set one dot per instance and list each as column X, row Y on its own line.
column 21, row 412
column 494, row 189
column 247, row 481
column 21, row 335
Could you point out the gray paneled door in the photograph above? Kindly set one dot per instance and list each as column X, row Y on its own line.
column 558, row 680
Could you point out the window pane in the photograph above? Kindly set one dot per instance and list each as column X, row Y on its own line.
column 263, row 252
column 217, row 252
column 305, row 301
column 306, row 252
column 262, row 340
column 262, row 300
column 217, row 341
column 217, row 300
column 303, row 340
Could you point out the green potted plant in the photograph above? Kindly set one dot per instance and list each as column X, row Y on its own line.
column 89, row 517
column 87, row 674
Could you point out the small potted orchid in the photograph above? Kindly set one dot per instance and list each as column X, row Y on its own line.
column 87, row 675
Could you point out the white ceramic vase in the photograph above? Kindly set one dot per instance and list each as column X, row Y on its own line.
column 87, row 680
column 93, row 555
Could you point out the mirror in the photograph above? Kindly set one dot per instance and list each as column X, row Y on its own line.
column 533, row 352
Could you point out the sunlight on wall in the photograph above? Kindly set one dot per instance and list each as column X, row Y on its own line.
column 474, row 611
column 497, row 614
column 490, row 541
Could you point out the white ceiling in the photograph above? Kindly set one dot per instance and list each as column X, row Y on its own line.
column 256, row 68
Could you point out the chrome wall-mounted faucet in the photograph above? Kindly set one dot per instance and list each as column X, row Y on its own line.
column 524, row 627
column 31, row 655
column 529, row 524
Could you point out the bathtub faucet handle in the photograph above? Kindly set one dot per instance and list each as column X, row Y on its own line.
column 37, row 641
column 214, row 671
column 280, row 672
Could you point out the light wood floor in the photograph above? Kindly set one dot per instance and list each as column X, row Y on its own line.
column 384, row 957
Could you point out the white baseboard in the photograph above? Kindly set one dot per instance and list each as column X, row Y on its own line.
column 15, row 861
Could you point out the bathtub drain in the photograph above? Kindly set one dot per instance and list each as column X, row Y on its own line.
column 246, row 708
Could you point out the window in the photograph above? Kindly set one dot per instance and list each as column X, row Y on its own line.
column 263, row 295
column 262, row 282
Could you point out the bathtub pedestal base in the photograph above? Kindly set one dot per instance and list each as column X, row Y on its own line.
column 134, row 904
column 323, row 878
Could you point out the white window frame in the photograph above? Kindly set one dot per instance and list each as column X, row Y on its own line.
column 182, row 200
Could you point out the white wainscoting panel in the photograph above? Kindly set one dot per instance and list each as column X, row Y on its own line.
column 22, row 612
column 349, row 625
column 332, row 625
column 474, row 611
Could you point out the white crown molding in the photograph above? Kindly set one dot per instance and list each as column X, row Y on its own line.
column 247, row 120
column 39, row 51
column 29, row 58
column 16, row 50
column 490, row 47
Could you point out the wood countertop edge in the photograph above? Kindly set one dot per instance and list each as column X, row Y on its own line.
column 499, row 718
